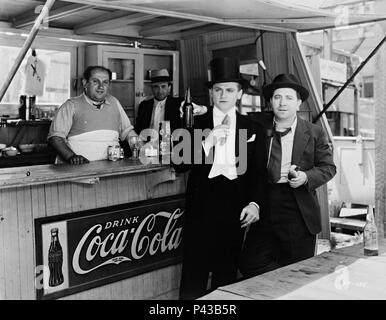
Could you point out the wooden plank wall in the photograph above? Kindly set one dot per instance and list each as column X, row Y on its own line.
column 20, row 206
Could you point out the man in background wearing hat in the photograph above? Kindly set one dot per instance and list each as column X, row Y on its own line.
column 225, row 190
column 289, row 235
column 161, row 107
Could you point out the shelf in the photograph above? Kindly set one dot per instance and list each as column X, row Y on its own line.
column 18, row 123
column 121, row 80
column 27, row 159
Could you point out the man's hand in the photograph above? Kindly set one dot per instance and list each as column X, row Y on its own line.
column 197, row 110
column 218, row 134
column 77, row 159
column 250, row 214
column 299, row 180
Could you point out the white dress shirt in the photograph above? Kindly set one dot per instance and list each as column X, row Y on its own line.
column 158, row 114
column 224, row 162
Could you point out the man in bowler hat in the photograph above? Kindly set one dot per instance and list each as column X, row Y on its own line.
column 223, row 196
column 161, row 106
column 288, row 233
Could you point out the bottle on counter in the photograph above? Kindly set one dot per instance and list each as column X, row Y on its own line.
column 187, row 109
column 55, row 259
column 370, row 235
column 164, row 142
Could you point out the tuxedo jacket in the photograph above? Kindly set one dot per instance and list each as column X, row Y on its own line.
column 251, row 183
column 172, row 113
column 313, row 154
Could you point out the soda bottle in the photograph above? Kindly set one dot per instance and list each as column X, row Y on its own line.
column 55, row 259
column 370, row 236
column 164, row 142
column 187, row 109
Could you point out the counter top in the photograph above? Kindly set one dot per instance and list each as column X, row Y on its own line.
column 43, row 174
column 340, row 274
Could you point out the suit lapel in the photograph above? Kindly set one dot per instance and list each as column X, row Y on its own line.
column 300, row 141
column 149, row 112
column 167, row 109
column 207, row 123
column 241, row 123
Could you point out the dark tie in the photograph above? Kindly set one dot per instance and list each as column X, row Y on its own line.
column 98, row 104
column 274, row 164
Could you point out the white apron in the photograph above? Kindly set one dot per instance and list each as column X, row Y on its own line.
column 93, row 145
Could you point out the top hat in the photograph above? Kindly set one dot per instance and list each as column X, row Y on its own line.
column 226, row 70
column 285, row 80
column 161, row 75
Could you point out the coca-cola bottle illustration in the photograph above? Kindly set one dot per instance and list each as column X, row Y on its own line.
column 55, row 259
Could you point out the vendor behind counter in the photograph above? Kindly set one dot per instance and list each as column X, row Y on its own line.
column 86, row 125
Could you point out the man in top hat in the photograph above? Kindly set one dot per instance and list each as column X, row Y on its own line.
column 161, row 106
column 289, row 233
column 225, row 190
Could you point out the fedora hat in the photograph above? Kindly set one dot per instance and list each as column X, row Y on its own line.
column 285, row 80
column 225, row 69
column 161, row 75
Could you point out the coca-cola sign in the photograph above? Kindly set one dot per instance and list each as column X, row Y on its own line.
column 86, row 249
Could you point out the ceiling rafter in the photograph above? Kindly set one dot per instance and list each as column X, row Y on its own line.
column 28, row 18
column 171, row 28
column 112, row 21
column 125, row 5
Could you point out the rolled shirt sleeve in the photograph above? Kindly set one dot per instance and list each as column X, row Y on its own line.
column 62, row 122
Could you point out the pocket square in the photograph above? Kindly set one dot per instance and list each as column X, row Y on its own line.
column 252, row 138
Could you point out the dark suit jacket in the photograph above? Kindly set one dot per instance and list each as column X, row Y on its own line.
column 250, row 185
column 252, row 182
column 172, row 113
column 312, row 153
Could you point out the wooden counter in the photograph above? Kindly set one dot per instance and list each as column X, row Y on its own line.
column 29, row 193
column 341, row 274
column 45, row 174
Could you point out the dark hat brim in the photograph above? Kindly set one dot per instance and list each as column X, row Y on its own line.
column 270, row 88
column 161, row 79
column 244, row 83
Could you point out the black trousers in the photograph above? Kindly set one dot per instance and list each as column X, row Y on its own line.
column 212, row 237
column 281, row 238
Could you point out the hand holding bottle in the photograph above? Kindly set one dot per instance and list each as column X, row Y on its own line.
column 198, row 110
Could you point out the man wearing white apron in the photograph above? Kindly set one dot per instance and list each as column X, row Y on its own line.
column 86, row 125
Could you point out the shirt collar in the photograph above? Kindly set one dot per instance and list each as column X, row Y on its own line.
column 92, row 102
column 160, row 102
column 219, row 114
column 293, row 125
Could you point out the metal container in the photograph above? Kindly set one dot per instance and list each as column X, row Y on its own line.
column 114, row 152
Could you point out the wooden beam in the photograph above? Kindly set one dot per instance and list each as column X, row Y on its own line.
column 26, row 19
column 34, row 31
column 316, row 20
column 204, row 30
column 171, row 28
column 110, row 22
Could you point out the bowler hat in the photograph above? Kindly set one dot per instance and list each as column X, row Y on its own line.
column 161, row 75
column 225, row 69
column 285, row 80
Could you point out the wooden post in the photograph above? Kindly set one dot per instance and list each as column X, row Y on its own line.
column 380, row 118
column 34, row 31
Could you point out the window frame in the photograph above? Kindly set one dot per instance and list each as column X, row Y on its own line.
column 41, row 44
